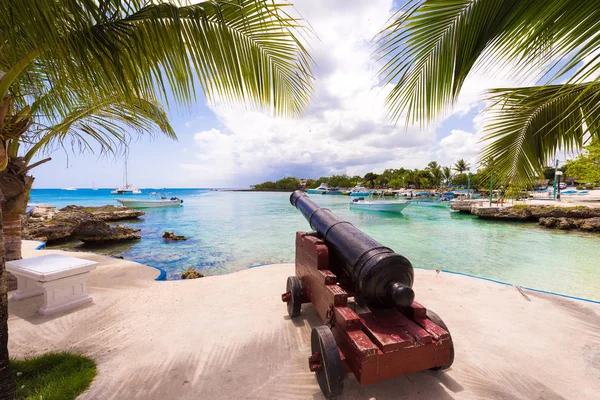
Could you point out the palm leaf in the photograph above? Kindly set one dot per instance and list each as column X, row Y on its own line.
column 526, row 126
column 103, row 123
column 234, row 50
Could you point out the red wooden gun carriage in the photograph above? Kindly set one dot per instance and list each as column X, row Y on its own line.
column 383, row 333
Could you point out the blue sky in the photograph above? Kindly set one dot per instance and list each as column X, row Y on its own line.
column 345, row 129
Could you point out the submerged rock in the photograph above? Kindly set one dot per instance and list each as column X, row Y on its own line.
column 172, row 236
column 191, row 273
column 78, row 223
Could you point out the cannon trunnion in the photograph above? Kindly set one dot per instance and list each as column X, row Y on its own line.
column 380, row 335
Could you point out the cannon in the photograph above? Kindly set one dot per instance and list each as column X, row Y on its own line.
column 383, row 278
column 363, row 293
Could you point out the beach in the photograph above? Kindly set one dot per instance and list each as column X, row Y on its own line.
column 229, row 336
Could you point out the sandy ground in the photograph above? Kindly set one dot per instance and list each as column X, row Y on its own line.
column 229, row 337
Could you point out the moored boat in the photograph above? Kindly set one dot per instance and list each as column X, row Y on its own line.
column 151, row 203
column 395, row 206
column 360, row 191
column 127, row 189
column 324, row 189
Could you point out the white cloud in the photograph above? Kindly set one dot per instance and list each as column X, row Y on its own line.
column 345, row 130
column 460, row 144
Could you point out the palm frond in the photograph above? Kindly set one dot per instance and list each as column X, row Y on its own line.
column 245, row 50
column 107, row 124
column 432, row 45
column 526, row 126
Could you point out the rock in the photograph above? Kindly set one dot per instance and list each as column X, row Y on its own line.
column 107, row 213
column 170, row 236
column 99, row 232
column 583, row 224
column 72, row 223
column 191, row 273
column 534, row 213
column 590, row 225
column 464, row 205
column 42, row 213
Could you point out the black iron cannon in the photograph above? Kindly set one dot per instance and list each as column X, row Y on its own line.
column 382, row 277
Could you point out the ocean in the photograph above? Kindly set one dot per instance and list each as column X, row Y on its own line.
column 230, row 231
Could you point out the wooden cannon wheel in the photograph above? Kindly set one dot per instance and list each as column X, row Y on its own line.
column 326, row 362
column 294, row 288
column 433, row 317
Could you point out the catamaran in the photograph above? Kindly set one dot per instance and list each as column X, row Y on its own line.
column 127, row 188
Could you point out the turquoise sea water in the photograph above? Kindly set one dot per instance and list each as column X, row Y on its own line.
column 231, row 231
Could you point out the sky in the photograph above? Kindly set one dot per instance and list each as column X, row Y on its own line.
column 344, row 130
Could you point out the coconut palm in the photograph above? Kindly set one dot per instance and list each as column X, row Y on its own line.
column 461, row 166
column 432, row 46
column 436, row 173
column 447, row 174
column 62, row 60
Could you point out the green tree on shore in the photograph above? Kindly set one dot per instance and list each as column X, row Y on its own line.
column 586, row 167
column 90, row 69
column 461, row 166
column 435, row 170
column 433, row 46
column 447, row 174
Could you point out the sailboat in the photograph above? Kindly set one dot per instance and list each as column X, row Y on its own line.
column 94, row 186
column 127, row 188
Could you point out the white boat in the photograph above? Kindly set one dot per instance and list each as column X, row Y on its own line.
column 126, row 188
column 379, row 205
column 324, row 189
column 69, row 188
column 360, row 191
column 151, row 203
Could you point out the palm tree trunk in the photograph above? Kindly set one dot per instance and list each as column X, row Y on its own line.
column 7, row 383
column 11, row 228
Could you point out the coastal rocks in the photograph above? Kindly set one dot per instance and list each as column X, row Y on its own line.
column 463, row 205
column 99, row 232
column 582, row 224
column 107, row 213
column 191, row 273
column 170, row 236
column 534, row 213
column 72, row 223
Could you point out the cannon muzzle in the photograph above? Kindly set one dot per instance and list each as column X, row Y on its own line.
column 382, row 277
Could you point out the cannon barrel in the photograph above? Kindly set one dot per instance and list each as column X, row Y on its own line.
column 383, row 278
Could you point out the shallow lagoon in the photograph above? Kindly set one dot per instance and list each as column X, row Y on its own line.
column 230, row 231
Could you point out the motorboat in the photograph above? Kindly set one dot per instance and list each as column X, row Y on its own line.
column 360, row 191
column 428, row 199
column 70, row 188
column 161, row 201
column 395, row 206
column 324, row 189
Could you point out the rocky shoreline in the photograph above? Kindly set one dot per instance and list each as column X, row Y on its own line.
column 581, row 218
column 86, row 224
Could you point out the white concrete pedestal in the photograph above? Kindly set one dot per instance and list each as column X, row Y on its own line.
column 61, row 279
